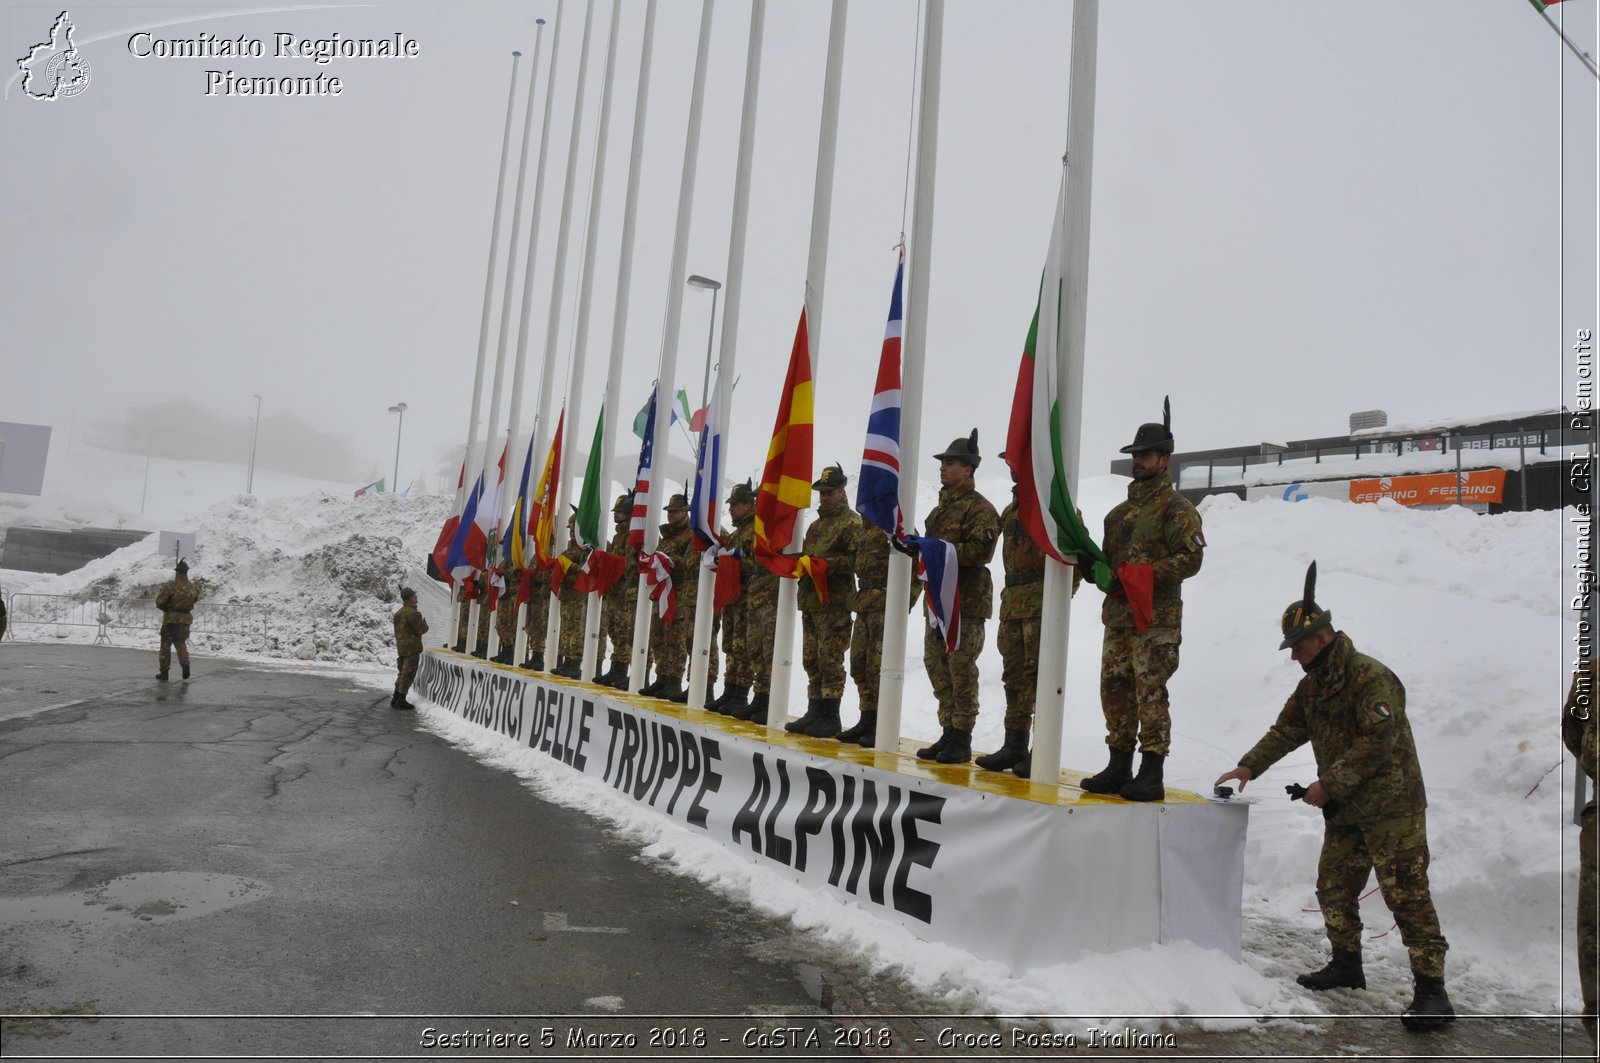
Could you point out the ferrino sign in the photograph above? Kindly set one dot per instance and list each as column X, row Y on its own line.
column 986, row 872
column 1437, row 489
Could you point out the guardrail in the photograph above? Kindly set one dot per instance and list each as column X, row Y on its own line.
column 127, row 614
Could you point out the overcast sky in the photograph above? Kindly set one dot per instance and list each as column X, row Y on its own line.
column 1300, row 210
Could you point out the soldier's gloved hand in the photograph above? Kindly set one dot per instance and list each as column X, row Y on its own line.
column 908, row 548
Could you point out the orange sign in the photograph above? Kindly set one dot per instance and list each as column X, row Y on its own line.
column 1437, row 489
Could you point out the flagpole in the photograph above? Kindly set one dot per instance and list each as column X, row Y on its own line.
column 503, row 518
column 892, row 674
column 580, row 344
column 816, row 277
column 1049, row 702
column 630, row 217
column 1583, row 57
column 665, row 374
column 700, row 658
column 558, row 530
column 519, row 653
column 483, row 323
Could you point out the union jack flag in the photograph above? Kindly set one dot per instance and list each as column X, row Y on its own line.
column 878, row 491
column 939, row 569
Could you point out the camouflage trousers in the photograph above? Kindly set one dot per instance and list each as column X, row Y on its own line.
column 505, row 620
column 1019, row 653
column 1588, row 919
column 173, row 635
column 616, row 620
column 825, row 638
column 485, row 618
column 574, row 614
column 955, row 675
column 670, row 643
column 1397, row 848
column 464, row 611
column 732, row 620
column 753, row 643
column 866, row 657
column 538, row 616
column 1134, row 670
column 407, row 664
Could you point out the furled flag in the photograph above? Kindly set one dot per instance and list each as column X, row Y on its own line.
column 878, row 490
column 515, row 547
column 786, row 480
column 641, row 488
column 541, row 514
column 587, row 528
column 478, row 521
column 703, row 507
column 939, row 569
column 439, row 558
column 1033, row 439
column 373, row 488
column 657, row 571
column 600, row 570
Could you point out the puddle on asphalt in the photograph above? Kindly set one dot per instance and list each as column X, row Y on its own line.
column 816, row 985
column 147, row 897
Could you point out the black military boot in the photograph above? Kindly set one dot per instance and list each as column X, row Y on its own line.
column 756, row 711
column 809, row 718
column 959, row 749
column 394, row 700
column 604, row 678
column 460, row 646
column 620, row 682
column 869, row 737
column 734, row 697
column 1114, row 776
column 1148, row 784
column 1430, row 1005
column 482, row 652
column 1342, row 972
column 406, row 706
column 566, row 668
column 162, row 675
column 932, row 752
column 1023, row 769
column 868, row 724
column 1007, row 756
column 185, row 670
column 534, row 663
column 826, row 725
column 674, row 691
column 650, row 689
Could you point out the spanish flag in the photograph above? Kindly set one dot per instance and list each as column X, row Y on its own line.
column 541, row 514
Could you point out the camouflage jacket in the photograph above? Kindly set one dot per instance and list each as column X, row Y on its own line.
column 1023, row 596
column 626, row 589
column 1352, row 710
column 176, row 600
column 965, row 519
column 1159, row 527
column 872, row 572
column 1578, row 731
column 409, row 627
column 834, row 537
column 575, row 554
column 758, row 588
column 677, row 542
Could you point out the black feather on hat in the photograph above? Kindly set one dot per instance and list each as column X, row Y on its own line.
column 1305, row 617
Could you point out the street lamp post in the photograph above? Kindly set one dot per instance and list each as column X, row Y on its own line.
column 255, row 434
column 704, row 283
column 399, row 408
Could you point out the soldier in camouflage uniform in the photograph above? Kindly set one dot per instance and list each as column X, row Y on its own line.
column 1156, row 535
column 670, row 643
column 409, row 627
column 967, row 521
column 1021, row 608
column 866, row 635
column 1582, row 739
column 176, row 600
column 1369, row 786
column 537, row 615
column 756, row 627
column 740, row 544
column 833, row 538
column 574, row 607
column 616, row 610
column 469, row 594
column 505, row 615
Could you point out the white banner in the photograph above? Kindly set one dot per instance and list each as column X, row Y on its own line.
column 1017, row 880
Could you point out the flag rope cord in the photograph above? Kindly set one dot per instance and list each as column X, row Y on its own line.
column 911, row 123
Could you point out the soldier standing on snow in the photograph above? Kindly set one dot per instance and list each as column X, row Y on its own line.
column 409, row 627
column 176, row 600
column 1369, row 786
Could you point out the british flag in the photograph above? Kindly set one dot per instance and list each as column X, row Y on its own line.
column 878, row 491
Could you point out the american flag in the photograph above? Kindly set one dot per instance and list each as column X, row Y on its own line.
column 878, row 491
column 657, row 570
column 641, row 490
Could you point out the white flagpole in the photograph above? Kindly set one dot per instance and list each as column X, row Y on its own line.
column 465, row 486
column 816, row 276
column 507, row 497
column 619, row 319
column 700, row 659
column 580, row 343
column 523, row 326
column 558, row 530
column 914, row 347
column 669, row 345
column 1049, row 701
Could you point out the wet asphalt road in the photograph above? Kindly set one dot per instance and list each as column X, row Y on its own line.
column 274, row 864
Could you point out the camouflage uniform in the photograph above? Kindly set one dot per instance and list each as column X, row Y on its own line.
column 670, row 643
column 409, row 627
column 1582, row 739
column 1021, row 608
column 505, row 614
column 574, row 607
column 966, row 520
column 469, row 594
column 538, row 612
column 616, row 617
column 176, row 600
column 1159, row 527
column 833, row 537
column 1352, row 710
column 866, row 638
column 754, row 622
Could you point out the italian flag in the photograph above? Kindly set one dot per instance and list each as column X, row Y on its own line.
column 1033, row 438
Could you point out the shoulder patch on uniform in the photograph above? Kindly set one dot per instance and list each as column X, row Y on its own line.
column 1199, row 539
column 1381, row 710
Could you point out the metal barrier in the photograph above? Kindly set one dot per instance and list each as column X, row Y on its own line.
column 128, row 614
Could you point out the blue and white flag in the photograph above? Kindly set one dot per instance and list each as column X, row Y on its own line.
column 878, row 490
column 939, row 569
column 703, row 507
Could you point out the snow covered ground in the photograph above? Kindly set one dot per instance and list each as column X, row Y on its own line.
column 1470, row 611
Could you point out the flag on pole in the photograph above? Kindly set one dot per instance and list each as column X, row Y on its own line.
column 459, row 561
column 786, row 479
column 439, row 557
column 587, row 528
column 703, row 507
column 600, row 570
column 541, row 514
column 878, row 490
column 516, row 540
column 641, row 487
column 657, row 571
column 939, row 569
column 478, row 522
column 1033, row 438
column 373, row 488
